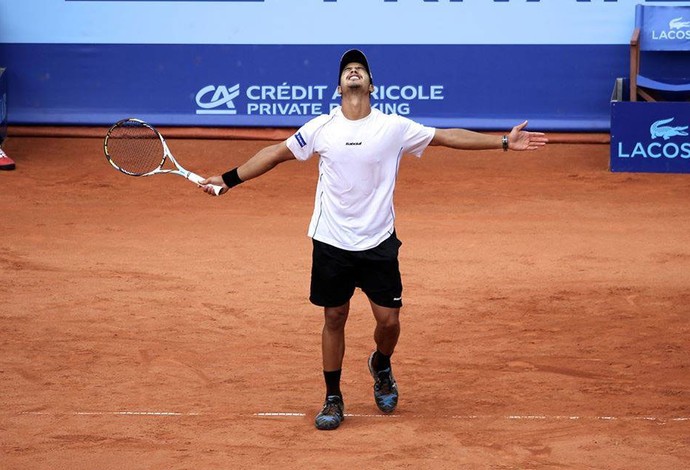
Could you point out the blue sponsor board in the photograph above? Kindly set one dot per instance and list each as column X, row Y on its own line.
column 483, row 64
column 650, row 137
column 475, row 86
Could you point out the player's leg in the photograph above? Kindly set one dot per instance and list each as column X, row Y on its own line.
column 387, row 330
column 333, row 340
column 333, row 351
column 332, row 286
column 380, row 279
column 386, row 337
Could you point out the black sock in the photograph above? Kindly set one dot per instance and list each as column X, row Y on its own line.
column 381, row 361
column 332, row 378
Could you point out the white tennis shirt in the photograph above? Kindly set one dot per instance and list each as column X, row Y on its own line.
column 358, row 167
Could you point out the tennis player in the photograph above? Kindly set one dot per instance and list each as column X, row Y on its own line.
column 353, row 224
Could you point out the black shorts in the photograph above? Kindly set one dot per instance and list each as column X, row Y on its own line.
column 335, row 273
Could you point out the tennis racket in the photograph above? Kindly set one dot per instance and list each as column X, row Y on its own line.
column 137, row 149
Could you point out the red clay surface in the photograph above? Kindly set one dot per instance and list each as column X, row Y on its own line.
column 145, row 325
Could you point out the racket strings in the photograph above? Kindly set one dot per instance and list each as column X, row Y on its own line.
column 135, row 148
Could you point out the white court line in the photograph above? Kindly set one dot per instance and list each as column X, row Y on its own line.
column 288, row 414
column 489, row 417
column 109, row 413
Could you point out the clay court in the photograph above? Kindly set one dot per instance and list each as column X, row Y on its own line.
column 146, row 325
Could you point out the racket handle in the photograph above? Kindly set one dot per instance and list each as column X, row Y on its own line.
column 198, row 179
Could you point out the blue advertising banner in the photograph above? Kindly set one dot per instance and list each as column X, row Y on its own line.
column 650, row 137
column 480, row 87
column 482, row 64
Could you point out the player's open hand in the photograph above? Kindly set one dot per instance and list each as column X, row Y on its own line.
column 524, row 140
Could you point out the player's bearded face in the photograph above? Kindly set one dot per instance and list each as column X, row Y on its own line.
column 354, row 77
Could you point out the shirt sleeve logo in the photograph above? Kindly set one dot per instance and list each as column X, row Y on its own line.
column 300, row 140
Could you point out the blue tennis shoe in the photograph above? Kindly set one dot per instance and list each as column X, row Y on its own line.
column 331, row 415
column 385, row 388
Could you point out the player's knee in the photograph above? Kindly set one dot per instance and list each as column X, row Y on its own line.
column 389, row 322
column 335, row 318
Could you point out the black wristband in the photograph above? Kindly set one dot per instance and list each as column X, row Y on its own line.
column 231, row 178
column 504, row 143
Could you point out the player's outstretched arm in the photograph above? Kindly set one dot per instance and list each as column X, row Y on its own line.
column 265, row 160
column 463, row 139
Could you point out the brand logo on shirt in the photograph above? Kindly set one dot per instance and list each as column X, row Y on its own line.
column 300, row 140
column 353, row 143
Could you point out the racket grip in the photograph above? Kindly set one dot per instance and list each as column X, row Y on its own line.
column 198, row 179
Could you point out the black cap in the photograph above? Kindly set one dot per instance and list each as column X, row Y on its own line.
column 354, row 55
